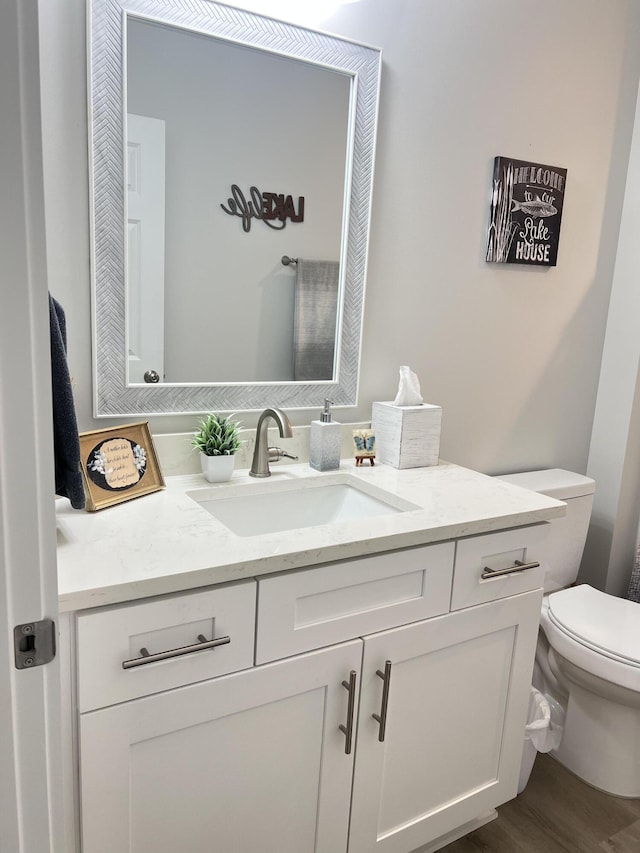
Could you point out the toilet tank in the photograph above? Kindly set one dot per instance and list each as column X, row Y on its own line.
column 561, row 553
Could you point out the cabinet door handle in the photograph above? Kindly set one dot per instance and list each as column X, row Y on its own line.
column 350, row 686
column 381, row 718
column 517, row 567
column 200, row 646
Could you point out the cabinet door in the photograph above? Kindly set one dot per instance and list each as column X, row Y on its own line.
column 252, row 762
column 457, row 702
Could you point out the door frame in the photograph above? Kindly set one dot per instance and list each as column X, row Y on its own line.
column 30, row 746
column 145, row 246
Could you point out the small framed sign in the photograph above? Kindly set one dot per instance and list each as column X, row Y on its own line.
column 526, row 211
column 118, row 464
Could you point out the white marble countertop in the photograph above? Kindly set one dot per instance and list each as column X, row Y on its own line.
column 166, row 542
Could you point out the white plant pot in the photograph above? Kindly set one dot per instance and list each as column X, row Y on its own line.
column 217, row 469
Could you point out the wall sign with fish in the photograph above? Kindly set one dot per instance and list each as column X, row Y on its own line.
column 526, row 210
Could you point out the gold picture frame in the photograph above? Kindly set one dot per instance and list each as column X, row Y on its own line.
column 118, row 464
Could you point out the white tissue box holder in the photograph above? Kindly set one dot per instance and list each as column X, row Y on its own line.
column 407, row 436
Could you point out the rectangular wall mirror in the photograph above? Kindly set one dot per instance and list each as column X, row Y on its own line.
column 232, row 163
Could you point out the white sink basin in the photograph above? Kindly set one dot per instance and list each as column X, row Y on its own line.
column 272, row 507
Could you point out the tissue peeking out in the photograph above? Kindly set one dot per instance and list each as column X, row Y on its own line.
column 408, row 389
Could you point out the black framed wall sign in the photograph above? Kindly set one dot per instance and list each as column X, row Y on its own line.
column 526, row 211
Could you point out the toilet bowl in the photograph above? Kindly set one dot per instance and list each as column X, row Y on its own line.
column 588, row 652
column 593, row 650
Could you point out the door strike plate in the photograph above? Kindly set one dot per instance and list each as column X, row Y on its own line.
column 34, row 643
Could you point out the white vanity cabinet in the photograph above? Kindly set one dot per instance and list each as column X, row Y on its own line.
column 450, row 697
column 252, row 762
column 370, row 715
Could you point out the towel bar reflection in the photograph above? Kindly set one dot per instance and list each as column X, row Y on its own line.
column 286, row 260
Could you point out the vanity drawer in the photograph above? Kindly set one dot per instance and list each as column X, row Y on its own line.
column 178, row 624
column 311, row 608
column 497, row 552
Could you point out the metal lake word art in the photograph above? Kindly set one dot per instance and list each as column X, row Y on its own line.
column 271, row 208
column 526, row 211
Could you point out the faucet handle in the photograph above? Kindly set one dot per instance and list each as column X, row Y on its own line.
column 277, row 453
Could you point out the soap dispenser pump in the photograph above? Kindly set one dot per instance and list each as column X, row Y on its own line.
column 325, row 440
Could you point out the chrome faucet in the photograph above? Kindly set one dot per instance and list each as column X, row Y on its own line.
column 262, row 453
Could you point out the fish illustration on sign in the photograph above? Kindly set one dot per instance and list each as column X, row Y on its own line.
column 534, row 208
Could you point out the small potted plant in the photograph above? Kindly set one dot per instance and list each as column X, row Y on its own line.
column 218, row 441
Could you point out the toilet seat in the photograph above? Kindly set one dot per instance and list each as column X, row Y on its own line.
column 604, row 623
column 595, row 631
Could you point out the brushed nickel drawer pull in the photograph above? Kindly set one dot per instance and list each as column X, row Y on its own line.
column 347, row 730
column 517, row 567
column 200, row 646
column 381, row 718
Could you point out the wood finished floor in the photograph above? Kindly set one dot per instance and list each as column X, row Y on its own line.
column 557, row 813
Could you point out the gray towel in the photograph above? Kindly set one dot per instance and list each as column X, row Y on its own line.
column 314, row 329
column 633, row 593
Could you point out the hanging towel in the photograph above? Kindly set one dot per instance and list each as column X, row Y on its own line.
column 633, row 593
column 314, row 329
column 66, row 443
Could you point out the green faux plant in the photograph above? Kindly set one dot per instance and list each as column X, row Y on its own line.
column 217, row 436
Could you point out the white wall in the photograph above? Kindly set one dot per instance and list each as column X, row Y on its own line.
column 511, row 353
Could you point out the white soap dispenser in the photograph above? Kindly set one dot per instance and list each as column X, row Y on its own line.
column 325, row 441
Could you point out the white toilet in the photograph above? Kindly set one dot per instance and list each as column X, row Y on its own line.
column 588, row 655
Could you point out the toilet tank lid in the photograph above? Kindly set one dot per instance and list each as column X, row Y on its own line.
column 554, row 482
